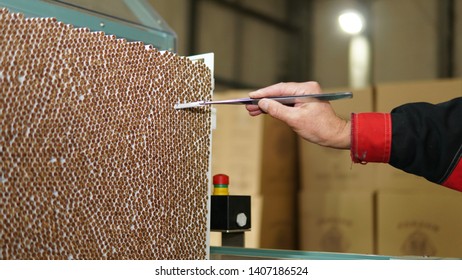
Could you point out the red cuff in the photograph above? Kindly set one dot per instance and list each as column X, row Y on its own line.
column 370, row 137
column 454, row 181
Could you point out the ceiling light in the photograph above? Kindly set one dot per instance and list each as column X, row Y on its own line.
column 351, row 22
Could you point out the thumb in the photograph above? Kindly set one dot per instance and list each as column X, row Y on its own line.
column 275, row 109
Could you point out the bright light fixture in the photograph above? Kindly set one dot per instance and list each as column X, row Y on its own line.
column 351, row 22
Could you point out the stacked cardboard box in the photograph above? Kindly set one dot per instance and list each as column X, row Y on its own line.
column 390, row 96
column 415, row 216
column 259, row 154
column 335, row 201
column 337, row 221
column 336, row 194
column 343, row 207
column 419, row 223
column 324, row 168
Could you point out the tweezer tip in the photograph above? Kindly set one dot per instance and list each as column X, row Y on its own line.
column 179, row 106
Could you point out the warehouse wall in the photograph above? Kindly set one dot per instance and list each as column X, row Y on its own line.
column 404, row 39
column 458, row 40
column 247, row 51
column 252, row 53
column 330, row 45
column 175, row 13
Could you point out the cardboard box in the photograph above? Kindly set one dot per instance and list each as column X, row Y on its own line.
column 337, row 221
column 391, row 177
column 259, row 154
column 389, row 96
column 392, row 95
column 423, row 223
column 278, row 227
column 273, row 223
column 325, row 168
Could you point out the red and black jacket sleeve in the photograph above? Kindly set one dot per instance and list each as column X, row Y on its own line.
column 420, row 138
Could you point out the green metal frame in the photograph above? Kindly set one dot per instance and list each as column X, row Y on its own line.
column 248, row 253
column 160, row 39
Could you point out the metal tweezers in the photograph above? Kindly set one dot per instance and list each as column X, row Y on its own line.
column 287, row 100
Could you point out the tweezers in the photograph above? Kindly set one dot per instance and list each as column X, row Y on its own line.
column 287, row 100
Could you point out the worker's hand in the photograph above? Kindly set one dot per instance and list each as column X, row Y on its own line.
column 313, row 120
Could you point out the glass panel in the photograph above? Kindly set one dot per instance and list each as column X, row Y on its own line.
column 132, row 20
column 139, row 12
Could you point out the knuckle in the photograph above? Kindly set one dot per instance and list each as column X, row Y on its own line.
column 314, row 85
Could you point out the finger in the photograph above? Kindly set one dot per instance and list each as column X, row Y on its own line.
column 255, row 113
column 252, row 107
column 254, row 110
column 283, row 89
column 276, row 109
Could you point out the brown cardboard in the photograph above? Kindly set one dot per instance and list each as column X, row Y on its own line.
column 391, row 177
column 278, row 222
column 325, row 168
column 423, row 223
column 390, row 96
column 236, row 147
column 273, row 223
column 336, row 221
column 258, row 153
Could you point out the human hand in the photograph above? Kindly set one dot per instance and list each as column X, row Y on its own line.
column 313, row 120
